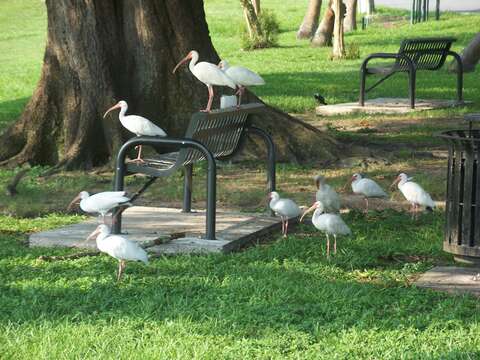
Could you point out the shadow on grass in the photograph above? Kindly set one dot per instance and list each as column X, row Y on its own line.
column 286, row 284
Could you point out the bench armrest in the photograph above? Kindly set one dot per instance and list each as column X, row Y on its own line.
column 157, row 140
column 396, row 56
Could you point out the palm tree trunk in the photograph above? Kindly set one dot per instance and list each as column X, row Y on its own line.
column 324, row 33
column 351, row 18
column 470, row 55
column 310, row 21
column 338, row 51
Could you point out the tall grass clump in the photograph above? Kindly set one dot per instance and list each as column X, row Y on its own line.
column 270, row 28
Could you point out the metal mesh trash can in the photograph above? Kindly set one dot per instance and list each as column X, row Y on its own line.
column 462, row 211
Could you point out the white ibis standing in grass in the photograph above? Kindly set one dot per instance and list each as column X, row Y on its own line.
column 118, row 247
column 101, row 203
column 207, row 73
column 414, row 193
column 136, row 124
column 330, row 224
column 326, row 195
column 285, row 208
column 242, row 77
column 366, row 187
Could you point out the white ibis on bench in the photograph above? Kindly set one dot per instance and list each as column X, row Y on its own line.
column 366, row 187
column 326, row 195
column 101, row 203
column 242, row 77
column 414, row 193
column 285, row 208
column 118, row 247
column 136, row 124
column 207, row 73
column 330, row 224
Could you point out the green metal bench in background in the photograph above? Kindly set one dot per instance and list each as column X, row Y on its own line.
column 413, row 55
column 212, row 135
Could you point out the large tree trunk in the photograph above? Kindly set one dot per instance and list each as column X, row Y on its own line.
column 351, row 18
column 324, row 33
column 470, row 55
column 102, row 51
column 338, row 51
column 310, row 21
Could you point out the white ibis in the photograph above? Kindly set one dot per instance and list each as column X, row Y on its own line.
column 285, row 208
column 326, row 195
column 366, row 187
column 414, row 193
column 330, row 224
column 207, row 73
column 100, row 203
column 242, row 77
column 136, row 124
column 118, row 247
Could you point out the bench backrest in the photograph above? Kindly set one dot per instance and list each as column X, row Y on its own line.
column 220, row 131
column 426, row 53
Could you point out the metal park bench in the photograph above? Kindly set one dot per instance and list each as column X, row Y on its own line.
column 413, row 55
column 215, row 135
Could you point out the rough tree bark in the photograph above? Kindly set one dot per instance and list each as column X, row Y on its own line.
column 371, row 7
column 256, row 6
column 102, row 51
column 470, row 55
column 338, row 51
column 324, row 33
column 251, row 17
column 310, row 21
column 351, row 18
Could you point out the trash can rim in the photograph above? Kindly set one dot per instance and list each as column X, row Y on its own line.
column 448, row 136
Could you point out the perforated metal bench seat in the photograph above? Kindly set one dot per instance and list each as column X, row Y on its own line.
column 413, row 55
column 215, row 135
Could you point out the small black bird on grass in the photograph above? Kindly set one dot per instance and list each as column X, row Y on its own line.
column 320, row 99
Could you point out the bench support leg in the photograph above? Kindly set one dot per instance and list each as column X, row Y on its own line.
column 211, row 197
column 459, row 61
column 362, row 84
column 187, row 189
column 118, row 185
column 271, row 176
column 411, row 83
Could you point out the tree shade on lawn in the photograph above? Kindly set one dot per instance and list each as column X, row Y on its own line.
column 107, row 50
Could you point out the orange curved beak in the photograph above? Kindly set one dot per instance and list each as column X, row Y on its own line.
column 75, row 201
column 349, row 181
column 184, row 60
column 116, row 106
column 395, row 182
column 310, row 209
column 93, row 235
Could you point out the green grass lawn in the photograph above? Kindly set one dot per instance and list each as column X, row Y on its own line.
column 283, row 299
column 279, row 299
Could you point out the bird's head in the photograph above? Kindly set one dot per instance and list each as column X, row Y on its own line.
column 319, row 180
column 354, row 177
column 317, row 205
column 402, row 178
column 102, row 228
column 82, row 195
column 120, row 105
column 273, row 196
column 223, row 64
column 191, row 55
